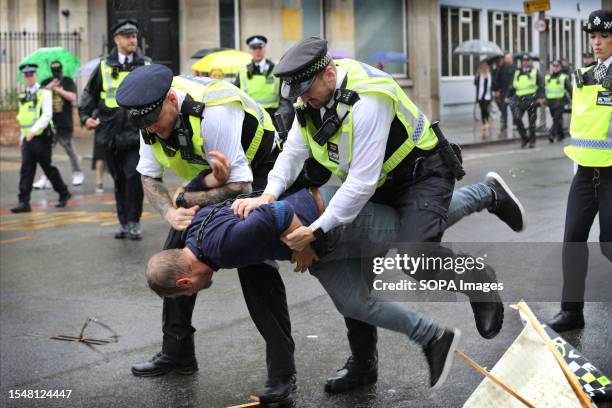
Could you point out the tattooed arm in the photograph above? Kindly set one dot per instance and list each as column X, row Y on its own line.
column 159, row 197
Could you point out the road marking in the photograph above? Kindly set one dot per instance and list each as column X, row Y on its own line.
column 37, row 221
column 11, row 240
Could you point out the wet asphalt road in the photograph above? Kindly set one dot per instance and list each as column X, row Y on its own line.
column 59, row 267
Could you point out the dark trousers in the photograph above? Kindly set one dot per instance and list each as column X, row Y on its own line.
column 422, row 205
column 590, row 193
column 266, row 300
column 484, row 110
column 526, row 103
column 38, row 151
column 128, row 185
column 556, row 111
column 503, row 110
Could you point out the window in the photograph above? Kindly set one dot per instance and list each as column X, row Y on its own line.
column 227, row 23
column 511, row 31
column 561, row 39
column 458, row 25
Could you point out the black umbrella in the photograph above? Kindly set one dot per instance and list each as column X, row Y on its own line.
column 204, row 52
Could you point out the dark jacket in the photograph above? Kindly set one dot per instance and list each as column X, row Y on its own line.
column 477, row 85
column 539, row 83
column 502, row 80
column 114, row 131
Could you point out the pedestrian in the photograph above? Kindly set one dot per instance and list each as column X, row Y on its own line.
column 64, row 94
column 358, row 123
column 591, row 189
column 35, row 121
column 501, row 85
column 556, row 84
column 528, row 88
column 174, row 114
column 588, row 60
column 120, row 140
column 484, row 84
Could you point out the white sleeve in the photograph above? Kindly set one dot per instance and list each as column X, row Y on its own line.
column 372, row 117
column 289, row 162
column 46, row 113
column 222, row 131
column 148, row 165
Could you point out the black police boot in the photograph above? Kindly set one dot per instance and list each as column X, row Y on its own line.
column 277, row 391
column 524, row 142
column 122, row 232
column 567, row 320
column 21, row 208
column 487, row 307
column 506, row 206
column 354, row 374
column 439, row 353
column 162, row 364
column 63, row 200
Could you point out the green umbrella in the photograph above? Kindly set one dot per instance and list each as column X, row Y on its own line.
column 43, row 57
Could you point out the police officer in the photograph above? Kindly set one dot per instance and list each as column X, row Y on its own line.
column 528, row 88
column 184, row 120
column 35, row 120
column 556, row 84
column 588, row 60
column 112, row 128
column 591, row 190
column 357, row 122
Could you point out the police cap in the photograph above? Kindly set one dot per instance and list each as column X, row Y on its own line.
column 256, row 41
column 599, row 20
column 143, row 92
column 28, row 68
column 300, row 65
column 556, row 63
column 124, row 27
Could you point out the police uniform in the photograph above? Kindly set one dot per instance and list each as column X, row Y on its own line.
column 555, row 87
column 591, row 190
column 214, row 115
column 373, row 137
column 119, row 137
column 528, row 88
column 35, row 116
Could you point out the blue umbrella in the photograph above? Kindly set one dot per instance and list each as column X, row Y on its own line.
column 390, row 57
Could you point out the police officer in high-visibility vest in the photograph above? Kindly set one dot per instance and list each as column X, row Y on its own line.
column 35, row 120
column 98, row 110
column 186, row 122
column 556, row 85
column 258, row 81
column 529, row 91
column 591, row 190
column 357, row 122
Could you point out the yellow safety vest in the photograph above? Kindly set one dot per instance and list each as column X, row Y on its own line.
column 264, row 89
column 336, row 153
column 30, row 111
column 591, row 126
column 211, row 92
column 525, row 84
column 110, row 83
column 555, row 87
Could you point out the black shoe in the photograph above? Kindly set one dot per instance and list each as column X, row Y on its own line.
column 524, row 143
column 567, row 320
column 122, row 232
column 439, row 353
column 277, row 391
column 487, row 307
column 506, row 206
column 353, row 375
column 63, row 200
column 551, row 139
column 162, row 364
column 134, row 232
column 21, row 208
column 531, row 145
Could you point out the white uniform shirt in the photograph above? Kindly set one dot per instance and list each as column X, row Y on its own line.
column 46, row 112
column 372, row 117
column 221, row 129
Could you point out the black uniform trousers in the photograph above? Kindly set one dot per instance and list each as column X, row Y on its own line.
column 422, row 204
column 526, row 103
column 128, row 185
column 590, row 193
column 556, row 111
column 266, row 300
column 38, row 151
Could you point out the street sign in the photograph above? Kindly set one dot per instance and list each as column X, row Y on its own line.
column 534, row 6
column 540, row 25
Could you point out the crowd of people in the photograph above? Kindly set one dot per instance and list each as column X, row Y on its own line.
column 354, row 121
